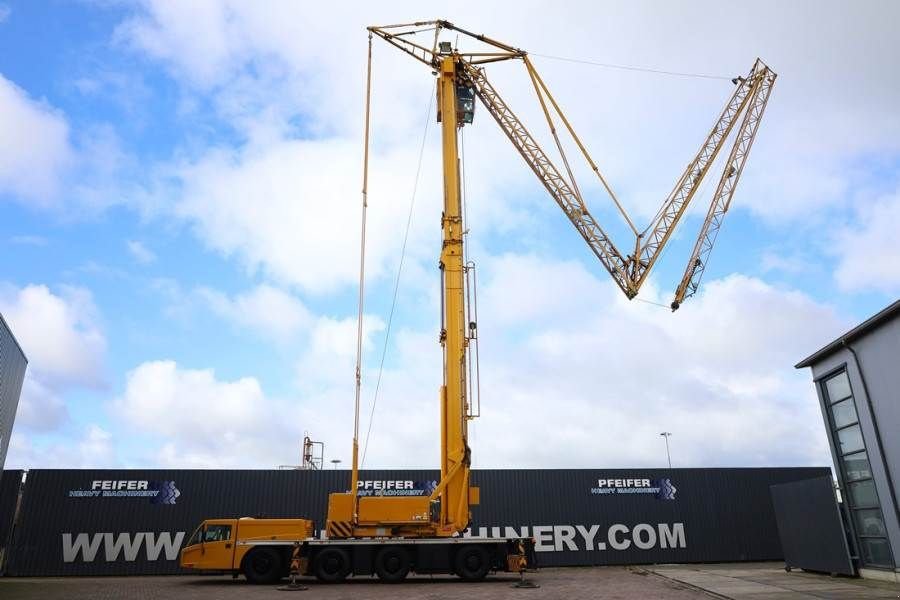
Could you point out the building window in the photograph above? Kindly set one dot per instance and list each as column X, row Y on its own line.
column 860, row 493
column 856, row 466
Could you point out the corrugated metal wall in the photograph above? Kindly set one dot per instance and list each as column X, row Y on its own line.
column 715, row 514
column 12, row 372
column 10, row 482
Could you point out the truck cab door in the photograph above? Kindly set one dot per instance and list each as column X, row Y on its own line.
column 217, row 545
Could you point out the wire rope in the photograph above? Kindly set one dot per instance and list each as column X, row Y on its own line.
column 390, row 321
column 632, row 68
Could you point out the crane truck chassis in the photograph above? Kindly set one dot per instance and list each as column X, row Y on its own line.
column 262, row 549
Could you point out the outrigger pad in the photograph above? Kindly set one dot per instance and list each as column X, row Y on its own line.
column 525, row 583
column 527, row 548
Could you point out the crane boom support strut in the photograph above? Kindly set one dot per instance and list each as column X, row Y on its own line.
column 629, row 271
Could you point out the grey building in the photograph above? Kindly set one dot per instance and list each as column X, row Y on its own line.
column 857, row 378
column 12, row 373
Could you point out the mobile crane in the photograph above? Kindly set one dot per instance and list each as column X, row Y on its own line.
column 394, row 535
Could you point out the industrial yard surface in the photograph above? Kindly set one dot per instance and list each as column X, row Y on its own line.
column 756, row 581
column 676, row 582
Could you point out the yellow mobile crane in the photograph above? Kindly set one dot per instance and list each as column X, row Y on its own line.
column 394, row 535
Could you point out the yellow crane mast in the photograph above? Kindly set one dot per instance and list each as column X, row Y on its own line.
column 394, row 535
column 352, row 516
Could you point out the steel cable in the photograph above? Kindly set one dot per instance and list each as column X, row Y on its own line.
column 632, row 68
column 390, row 321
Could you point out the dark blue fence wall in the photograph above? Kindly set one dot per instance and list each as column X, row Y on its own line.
column 134, row 522
column 10, row 482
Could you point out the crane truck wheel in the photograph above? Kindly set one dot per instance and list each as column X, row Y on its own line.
column 392, row 564
column 263, row 565
column 331, row 565
column 472, row 563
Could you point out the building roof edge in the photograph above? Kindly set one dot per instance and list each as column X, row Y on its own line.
column 863, row 328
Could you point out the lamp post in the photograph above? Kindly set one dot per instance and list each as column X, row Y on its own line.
column 335, row 462
column 666, row 435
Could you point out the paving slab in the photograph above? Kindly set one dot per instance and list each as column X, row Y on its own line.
column 769, row 581
column 765, row 581
column 609, row 583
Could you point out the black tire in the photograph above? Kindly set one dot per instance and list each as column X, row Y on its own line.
column 472, row 563
column 263, row 565
column 331, row 565
column 392, row 564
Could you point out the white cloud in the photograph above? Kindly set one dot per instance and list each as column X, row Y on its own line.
column 90, row 447
column 789, row 264
column 155, row 390
column 264, row 309
column 96, row 447
column 330, row 360
column 292, row 210
column 200, row 420
column 65, row 346
column 290, row 60
column 37, row 152
column 195, row 418
column 174, row 28
column 283, row 198
column 868, row 251
column 567, row 362
column 140, row 252
column 49, row 164
column 60, row 334
column 5, row 11
column 574, row 375
column 41, row 408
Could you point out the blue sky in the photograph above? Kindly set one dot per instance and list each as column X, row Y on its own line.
column 179, row 186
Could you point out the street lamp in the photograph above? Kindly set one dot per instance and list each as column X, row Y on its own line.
column 666, row 435
column 335, row 462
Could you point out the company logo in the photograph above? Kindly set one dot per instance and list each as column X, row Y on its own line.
column 666, row 489
column 661, row 489
column 168, row 493
column 394, row 487
column 158, row 492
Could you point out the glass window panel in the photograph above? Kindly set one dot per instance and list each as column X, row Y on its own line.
column 196, row 536
column 844, row 413
column 838, row 387
column 856, row 466
column 217, row 533
column 862, row 493
column 869, row 522
column 876, row 552
column 850, row 439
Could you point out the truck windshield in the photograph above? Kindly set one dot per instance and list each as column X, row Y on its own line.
column 195, row 537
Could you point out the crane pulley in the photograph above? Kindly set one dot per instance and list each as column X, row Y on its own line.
column 628, row 269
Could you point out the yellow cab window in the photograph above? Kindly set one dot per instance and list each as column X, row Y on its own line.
column 217, row 533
